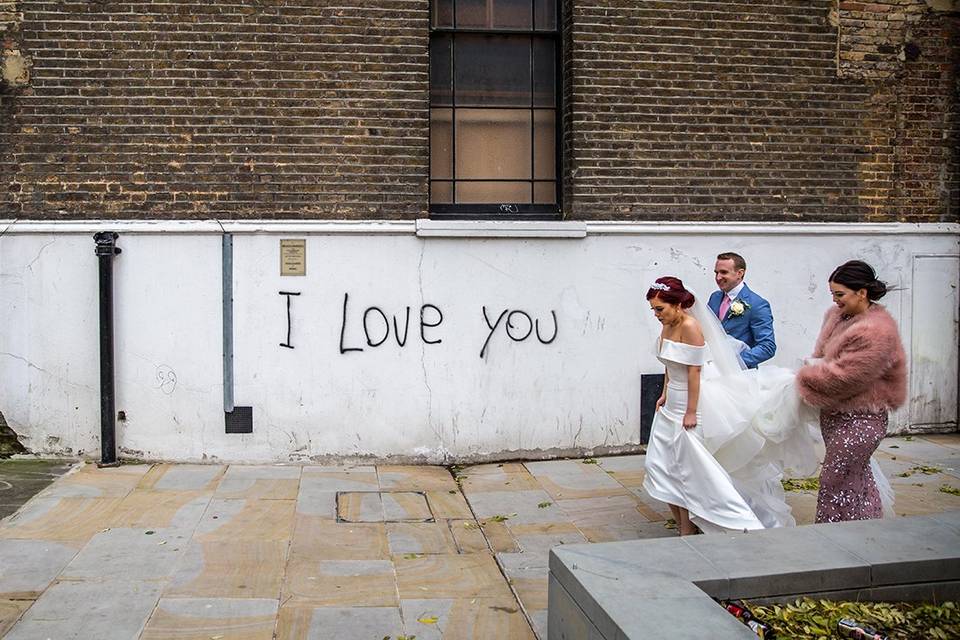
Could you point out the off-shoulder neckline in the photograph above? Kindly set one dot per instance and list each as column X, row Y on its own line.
column 685, row 344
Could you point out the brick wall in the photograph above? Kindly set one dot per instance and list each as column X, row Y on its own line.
column 734, row 110
column 795, row 110
column 217, row 108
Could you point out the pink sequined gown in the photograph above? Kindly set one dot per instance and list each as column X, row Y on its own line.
column 848, row 490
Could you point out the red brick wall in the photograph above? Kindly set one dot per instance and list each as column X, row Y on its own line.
column 791, row 110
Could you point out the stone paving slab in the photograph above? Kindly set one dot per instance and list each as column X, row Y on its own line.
column 22, row 478
column 206, row 618
column 245, row 547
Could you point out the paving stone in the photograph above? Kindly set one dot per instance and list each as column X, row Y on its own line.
column 182, row 477
column 229, row 569
column 10, row 612
column 605, row 519
column 206, row 618
column 447, row 505
column 88, row 481
column 22, row 478
column 780, row 561
column 540, row 538
column 465, row 619
column 27, row 567
column 88, row 609
column 314, row 501
column 589, row 482
column 342, row 623
column 247, row 519
column 497, row 477
column 139, row 555
column 468, row 536
column 48, row 518
column 520, row 507
column 415, row 478
column 622, row 464
column 539, row 619
column 316, row 538
column 499, row 536
column 405, row 506
column 341, row 583
column 354, row 506
column 160, row 510
column 427, row 537
column 899, row 550
column 316, row 479
column 260, row 482
column 449, row 576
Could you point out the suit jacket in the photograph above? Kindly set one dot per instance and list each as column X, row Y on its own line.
column 754, row 327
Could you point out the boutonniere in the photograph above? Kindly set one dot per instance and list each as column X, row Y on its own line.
column 737, row 308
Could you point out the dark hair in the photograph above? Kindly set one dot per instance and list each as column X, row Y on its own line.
column 674, row 293
column 738, row 261
column 856, row 275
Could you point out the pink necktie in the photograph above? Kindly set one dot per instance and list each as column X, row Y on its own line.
column 724, row 306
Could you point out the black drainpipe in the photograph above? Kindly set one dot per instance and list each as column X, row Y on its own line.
column 105, row 251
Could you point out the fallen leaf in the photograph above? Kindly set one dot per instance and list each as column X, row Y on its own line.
column 428, row 620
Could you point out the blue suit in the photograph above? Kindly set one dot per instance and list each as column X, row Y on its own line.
column 754, row 327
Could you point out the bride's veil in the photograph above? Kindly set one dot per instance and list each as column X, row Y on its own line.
column 723, row 351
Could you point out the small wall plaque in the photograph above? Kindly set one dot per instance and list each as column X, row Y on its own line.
column 293, row 257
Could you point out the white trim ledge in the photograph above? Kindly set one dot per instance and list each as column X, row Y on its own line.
column 424, row 228
column 770, row 228
column 499, row 229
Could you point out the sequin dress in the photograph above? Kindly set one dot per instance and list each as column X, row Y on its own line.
column 848, row 490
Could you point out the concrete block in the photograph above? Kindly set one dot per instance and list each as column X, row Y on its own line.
column 899, row 550
column 781, row 561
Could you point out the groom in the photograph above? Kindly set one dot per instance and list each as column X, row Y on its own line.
column 744, row 315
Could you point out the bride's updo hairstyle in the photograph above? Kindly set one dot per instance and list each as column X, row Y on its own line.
column 856, row 275
column 671, row 291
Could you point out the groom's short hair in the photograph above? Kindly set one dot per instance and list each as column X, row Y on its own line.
column 738, row 261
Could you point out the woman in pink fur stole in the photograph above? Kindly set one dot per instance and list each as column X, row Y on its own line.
column 859, row 373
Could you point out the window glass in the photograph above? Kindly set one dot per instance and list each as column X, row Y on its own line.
column 492, row 70
column 441, row 89
column 441, row 143
column 494, row 14
column 546, row 14
column 544, row 144
column 498, row 192
column 442, row 13
column 544, row 78
column 545, row 192
column 498, row 141
column 441, row 192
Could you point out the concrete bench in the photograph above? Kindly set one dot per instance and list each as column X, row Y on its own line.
column 664, row 588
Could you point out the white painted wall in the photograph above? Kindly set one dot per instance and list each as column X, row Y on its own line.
column 433, row 402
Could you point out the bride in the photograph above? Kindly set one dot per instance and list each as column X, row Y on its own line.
column 723, row 435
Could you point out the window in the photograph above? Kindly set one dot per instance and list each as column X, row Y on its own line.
column 494, row 120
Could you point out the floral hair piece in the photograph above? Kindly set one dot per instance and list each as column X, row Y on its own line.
column 659, row 286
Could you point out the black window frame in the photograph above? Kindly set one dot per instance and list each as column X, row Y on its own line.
column 502, row 210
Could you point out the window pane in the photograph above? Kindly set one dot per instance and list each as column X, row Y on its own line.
column 443, row 13
column 492, row 70
column 544, row 143
column 493, row 192
column 441, row 143
column 546, row 14
column 441, row 91
column 545, row 192
column 441, row 192
column 493, row 143
column 544, row 79
column 497, row 14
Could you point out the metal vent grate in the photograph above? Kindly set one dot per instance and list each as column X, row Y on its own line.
column 240, row 420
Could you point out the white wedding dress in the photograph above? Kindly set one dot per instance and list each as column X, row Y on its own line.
column 752, row 428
